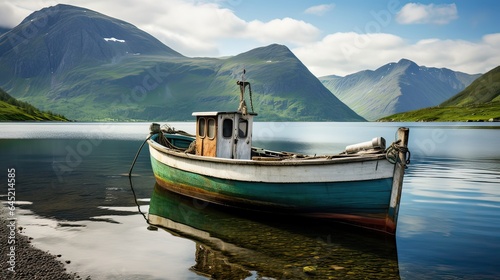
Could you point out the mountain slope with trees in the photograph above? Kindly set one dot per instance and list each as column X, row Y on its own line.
column 14, row 110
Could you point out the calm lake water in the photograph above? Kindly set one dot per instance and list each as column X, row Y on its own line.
column 75, row 199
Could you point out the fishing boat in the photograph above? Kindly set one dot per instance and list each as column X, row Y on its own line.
column 361, row 185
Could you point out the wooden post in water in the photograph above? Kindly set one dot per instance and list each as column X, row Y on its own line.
column 397, row 183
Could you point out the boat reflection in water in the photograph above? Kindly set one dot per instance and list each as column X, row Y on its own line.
column 238, row 245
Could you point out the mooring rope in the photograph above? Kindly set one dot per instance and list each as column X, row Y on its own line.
column 136, row 202
column 150, row 227
column 392, row 153
column 156, row 129
column 137, row 155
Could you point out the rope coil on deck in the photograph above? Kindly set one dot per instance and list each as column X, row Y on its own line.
column 170, row 130
column 155, row 128
column 392, row 153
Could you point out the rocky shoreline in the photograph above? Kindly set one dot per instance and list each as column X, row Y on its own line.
column 19, row 259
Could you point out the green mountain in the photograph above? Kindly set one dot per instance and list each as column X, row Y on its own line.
column 480, row 101
column 485, row 89
column 283, row 88
column 91, row 67
column 14, row 110
column 396, row 87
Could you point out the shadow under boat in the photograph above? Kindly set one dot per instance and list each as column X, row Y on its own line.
column 242, row 244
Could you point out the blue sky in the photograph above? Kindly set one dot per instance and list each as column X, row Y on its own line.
column 330, row 37
column 473, row 18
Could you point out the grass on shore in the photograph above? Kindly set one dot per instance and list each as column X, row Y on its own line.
column 13, row 113
column 478, row 112
column 12, row 109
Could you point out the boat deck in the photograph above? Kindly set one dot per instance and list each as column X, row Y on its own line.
column 179, row 145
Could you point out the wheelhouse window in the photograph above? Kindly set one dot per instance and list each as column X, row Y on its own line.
column 202, row 123
column 211, row 128
column 242, row 128
column 227, row 128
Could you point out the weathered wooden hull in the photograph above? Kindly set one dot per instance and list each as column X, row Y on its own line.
column 358, row 190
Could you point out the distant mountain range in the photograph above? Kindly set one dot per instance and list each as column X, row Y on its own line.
column 91, row 67
column 396, row 87
column 480, row 101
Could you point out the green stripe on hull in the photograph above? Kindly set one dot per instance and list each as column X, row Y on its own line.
column 360, row 197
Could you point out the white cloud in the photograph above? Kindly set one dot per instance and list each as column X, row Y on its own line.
column 416, row 13
column 204, row 28
column 190, row 27
column 282, row 31
column 11, row 13
column 195, row 29
column 346, row 53
column 319, row 10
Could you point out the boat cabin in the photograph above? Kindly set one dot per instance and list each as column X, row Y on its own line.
column 224, row 134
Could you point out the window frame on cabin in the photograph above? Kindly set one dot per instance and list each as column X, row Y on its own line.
column 202, row 127
column 227, row 128
column 211, row 128
column 245, row 128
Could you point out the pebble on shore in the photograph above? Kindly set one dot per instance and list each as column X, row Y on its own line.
column 30, row 262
